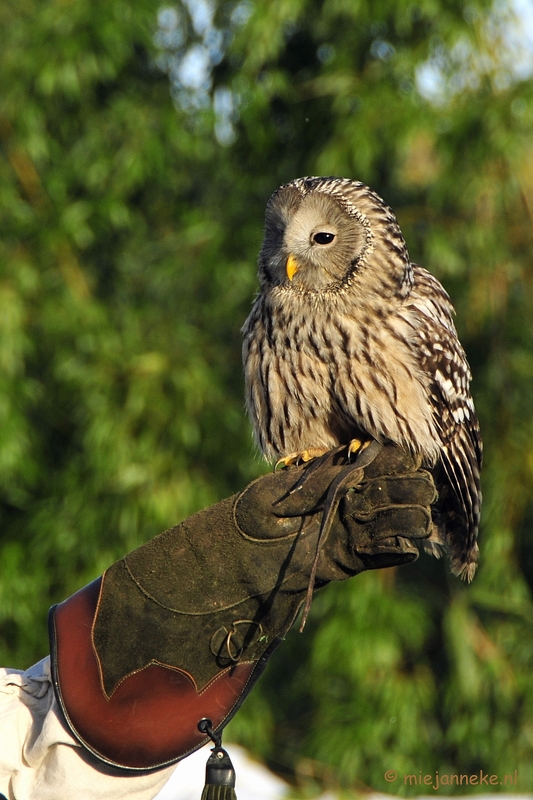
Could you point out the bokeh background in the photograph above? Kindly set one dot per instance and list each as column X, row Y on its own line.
column 139, row 145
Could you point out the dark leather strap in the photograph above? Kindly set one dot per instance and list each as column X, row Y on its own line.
column 151, row 718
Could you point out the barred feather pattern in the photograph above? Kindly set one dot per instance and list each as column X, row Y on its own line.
column 361, row 342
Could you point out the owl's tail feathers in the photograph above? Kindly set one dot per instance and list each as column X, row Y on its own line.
column 466, row 569
column 434, row 545
column 463, row 565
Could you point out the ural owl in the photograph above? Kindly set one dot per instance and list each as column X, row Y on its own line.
column 348, row 339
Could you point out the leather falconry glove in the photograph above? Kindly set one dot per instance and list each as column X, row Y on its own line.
column 179, row 630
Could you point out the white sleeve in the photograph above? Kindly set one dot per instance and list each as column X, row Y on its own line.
column 40, row 760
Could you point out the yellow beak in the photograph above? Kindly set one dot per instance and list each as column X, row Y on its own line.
column 291, row 267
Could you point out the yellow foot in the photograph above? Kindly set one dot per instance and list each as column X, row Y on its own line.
column 301, row 458
column 357, row 446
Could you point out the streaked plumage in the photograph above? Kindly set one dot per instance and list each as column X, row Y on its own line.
column 348, row 337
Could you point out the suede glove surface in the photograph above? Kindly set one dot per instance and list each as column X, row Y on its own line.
column 227, row 581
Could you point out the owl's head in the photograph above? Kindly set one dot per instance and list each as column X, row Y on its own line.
column 325, row 234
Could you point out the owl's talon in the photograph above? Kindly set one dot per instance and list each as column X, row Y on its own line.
column 357, row 446
column 302, row 457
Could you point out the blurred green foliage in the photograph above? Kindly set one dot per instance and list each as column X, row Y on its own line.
column 138, row 148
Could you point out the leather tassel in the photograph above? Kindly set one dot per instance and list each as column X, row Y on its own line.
column 219, row 777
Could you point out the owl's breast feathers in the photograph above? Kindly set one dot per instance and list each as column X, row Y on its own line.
column 318, row 371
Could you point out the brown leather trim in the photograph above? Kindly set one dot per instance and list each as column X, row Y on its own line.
column 151, row 719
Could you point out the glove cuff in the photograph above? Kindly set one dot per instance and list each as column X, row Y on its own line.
column 151, row 719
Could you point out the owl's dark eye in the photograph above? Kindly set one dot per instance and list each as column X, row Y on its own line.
column 323, row 238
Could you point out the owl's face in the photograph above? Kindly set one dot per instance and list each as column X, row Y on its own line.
column 332, row 235
column 311, row 241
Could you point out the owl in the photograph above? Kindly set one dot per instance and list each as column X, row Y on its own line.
column 348, row 340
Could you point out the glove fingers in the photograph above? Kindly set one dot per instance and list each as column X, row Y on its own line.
column 411, row 522
column 394, row 552
column 376, row 493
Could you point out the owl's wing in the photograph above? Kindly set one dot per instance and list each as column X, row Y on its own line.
column 444, row 360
